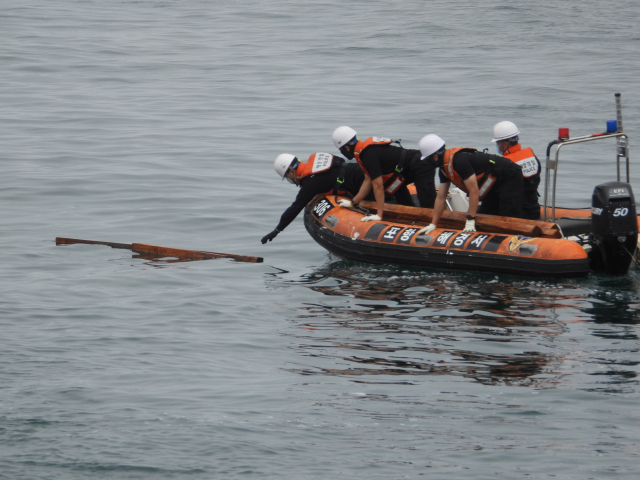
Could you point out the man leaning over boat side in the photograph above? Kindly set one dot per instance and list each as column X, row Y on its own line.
column 506, row 137
column 322, row 173
column 387, row 169
column 495, row 180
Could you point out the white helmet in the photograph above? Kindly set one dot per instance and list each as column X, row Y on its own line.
column 282, row 163
column 430, row 144
column 504, row 130
column 343, row 135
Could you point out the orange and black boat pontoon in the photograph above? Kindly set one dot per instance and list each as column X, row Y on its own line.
column 568, row 243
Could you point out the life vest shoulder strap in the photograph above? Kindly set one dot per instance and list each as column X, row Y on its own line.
column 337, row 187
column 448, row 168
column 360, row 146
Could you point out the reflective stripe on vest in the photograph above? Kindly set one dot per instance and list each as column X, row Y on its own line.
column 486, row 186
column 393, row 183
column 525, row 158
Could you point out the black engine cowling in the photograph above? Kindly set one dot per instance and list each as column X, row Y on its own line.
column 614, row 228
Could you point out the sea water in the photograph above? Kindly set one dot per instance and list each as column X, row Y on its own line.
column 158, row 122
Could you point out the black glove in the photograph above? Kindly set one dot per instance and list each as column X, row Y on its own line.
column 270, row 236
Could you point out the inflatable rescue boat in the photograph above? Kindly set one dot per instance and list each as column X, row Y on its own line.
column 568, row 243
column 498, row 246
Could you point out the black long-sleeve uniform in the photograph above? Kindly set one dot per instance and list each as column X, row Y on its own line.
column 323, row 182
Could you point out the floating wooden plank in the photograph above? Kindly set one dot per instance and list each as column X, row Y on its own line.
column 457, row 220
column 161, row 252
column 155, row 251
column 71, row 241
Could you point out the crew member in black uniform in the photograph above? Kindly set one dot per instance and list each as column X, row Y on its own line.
column 387, row 169
column 507, row 138
column 495, row 180
column 322, row 173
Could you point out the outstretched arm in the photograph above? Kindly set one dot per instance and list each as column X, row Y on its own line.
column 270, row 236
column 304, row 196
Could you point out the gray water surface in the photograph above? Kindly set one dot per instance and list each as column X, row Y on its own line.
column 158, row 122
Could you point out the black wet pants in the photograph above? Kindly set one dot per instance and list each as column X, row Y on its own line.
column 530, row 204
column 421, row 173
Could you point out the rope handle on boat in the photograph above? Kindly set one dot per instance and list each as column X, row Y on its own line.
column 360, row 209
column 356, row 207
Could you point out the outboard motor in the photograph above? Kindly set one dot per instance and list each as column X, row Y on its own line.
column 614, row 228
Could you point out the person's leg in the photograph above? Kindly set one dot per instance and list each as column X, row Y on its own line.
column 422, row 174
column 490, row 205
column 510, row 193
column 403, row 197
column 530, row 205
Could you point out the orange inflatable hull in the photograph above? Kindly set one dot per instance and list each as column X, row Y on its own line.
column 395, row 240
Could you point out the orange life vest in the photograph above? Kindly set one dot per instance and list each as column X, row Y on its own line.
column 525, row 158
column 317, row 163
column 391, row 181
column 485, row 180
column 360, row 146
